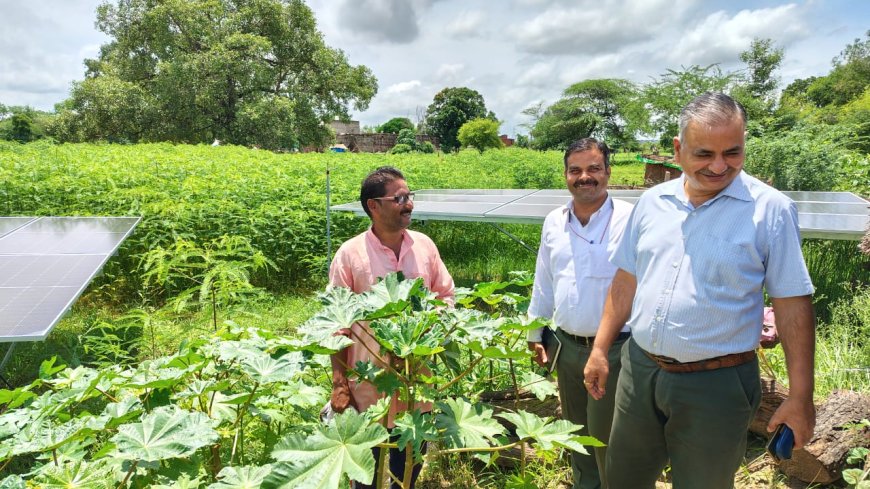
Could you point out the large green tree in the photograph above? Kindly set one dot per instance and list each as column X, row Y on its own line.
column 758, row 82
column 480, row 134
column 451, row 108
column 396, row 124
column 605, row 108
column 242, row 71
column 666, row 96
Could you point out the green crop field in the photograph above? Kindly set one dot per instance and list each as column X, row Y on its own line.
column 152, row 334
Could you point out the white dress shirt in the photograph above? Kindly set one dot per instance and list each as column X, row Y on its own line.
column 573, row 273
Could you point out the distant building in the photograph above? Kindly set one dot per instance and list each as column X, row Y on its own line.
column 349, row 127
column 349, row 135
column 506, row 140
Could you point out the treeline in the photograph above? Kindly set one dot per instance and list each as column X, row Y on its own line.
column 622, row 112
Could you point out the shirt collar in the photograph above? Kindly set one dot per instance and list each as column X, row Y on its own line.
column 568, row 209
column 737, row 189
column 407, row 240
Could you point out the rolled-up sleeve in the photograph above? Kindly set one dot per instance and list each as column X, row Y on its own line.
column 786, row 272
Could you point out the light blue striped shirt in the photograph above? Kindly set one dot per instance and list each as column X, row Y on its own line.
column 701, row 271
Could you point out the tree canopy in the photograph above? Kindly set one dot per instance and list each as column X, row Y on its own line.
column 254, row 72
column 667, row 96
column 451, row 108
column 608, row 109
column 480, row 133
column 396, row 124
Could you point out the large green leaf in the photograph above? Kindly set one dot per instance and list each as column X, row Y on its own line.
column 78, row 474
column 167, row 432
column 153, row 375
column 466, row 425
column 319, row 460
column 391, row 296
column 13, row 482
column 14, row 398
column 248, row 477
column 341, row 310
column 302, row 394
column 549, row 434
column 266, row 370
column 408, row 335
column 414, row 429
column 537, row 385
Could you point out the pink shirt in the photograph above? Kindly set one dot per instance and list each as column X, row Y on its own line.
column 357, row 265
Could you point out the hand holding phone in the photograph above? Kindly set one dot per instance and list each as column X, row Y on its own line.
column 781, row 443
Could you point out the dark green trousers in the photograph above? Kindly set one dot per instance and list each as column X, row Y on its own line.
column 697, row 421
column 580, row 408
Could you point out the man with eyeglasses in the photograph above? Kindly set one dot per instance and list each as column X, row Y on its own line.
column 388, row 246
column 572, row 275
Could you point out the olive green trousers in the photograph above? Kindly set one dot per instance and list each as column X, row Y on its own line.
column 696, row 421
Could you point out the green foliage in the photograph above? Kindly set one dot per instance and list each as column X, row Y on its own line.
column 801, row 159
column 239, row 409
column 481, row 134
column 849, row 78
column 608, row 109
column 667, row 96
column 342, row 447
column 762, row 59
column 396, row 124
column 23, row 124
column 406, row 142
column 253, row 72
column 451, row 108
column 218, row 273
column 407, row 136
column 401, row 148
column 22, row 130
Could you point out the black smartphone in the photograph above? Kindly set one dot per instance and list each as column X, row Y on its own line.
column 781, row 443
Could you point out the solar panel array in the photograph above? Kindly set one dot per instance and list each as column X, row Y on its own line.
column 828, row 215
column 46, row 263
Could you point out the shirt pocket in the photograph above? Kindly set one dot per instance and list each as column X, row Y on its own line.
column 728, row 265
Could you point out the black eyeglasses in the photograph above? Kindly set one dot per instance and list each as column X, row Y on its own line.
column 400, row 199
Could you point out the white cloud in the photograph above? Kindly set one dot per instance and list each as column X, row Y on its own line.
column 604, row 27
column 539, row 74
column 466, row 25
column 403, row 86
column 721, row 37
column 449, row 73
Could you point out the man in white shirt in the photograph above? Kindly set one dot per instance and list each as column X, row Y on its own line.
column 572, row 276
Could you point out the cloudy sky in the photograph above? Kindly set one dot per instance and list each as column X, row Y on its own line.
column 514, row 52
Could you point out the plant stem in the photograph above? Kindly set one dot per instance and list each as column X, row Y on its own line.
column 463, row 374
column 379, row 358
column 213, row 309
column 409, row 449
column 514, row 380
column 238, row 423
column 382, row 468
column 215, row 460
column 129, row 473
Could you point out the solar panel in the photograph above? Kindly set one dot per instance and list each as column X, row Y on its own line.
column 827, row 215
column 46, row 263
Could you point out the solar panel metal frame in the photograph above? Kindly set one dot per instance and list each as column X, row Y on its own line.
column 69, row 291
column 849, row 222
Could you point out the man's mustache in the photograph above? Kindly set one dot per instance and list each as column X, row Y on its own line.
column 585, row 182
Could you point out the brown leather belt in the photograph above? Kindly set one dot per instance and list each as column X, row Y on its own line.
column 590, row 340
column 671, row 365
